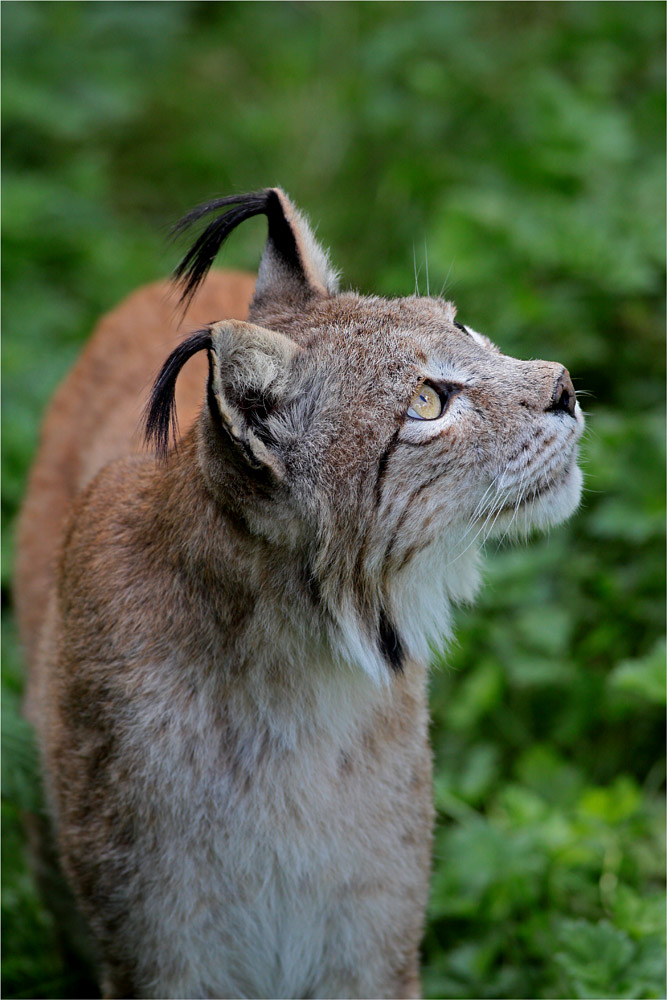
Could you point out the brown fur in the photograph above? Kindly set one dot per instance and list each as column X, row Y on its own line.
column 95, row 417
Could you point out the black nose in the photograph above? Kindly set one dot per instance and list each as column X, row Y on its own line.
column 564, row 397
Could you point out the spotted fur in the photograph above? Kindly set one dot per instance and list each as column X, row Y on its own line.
column 228, row 658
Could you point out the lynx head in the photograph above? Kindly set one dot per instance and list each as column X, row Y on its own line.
column 374, row 443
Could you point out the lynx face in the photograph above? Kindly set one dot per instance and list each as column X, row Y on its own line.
column 497, row 446
column 380, row 442
column 414, row 496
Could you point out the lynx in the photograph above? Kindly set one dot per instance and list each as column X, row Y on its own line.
column 228, row 638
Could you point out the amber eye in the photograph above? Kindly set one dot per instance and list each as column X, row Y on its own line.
column 425, row 404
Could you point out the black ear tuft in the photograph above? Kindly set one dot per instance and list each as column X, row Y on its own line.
column 198, row 260
column 160, row 420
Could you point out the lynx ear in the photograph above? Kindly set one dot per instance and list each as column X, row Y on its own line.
column 249, row 374
column 292, row 264
column 249, row 378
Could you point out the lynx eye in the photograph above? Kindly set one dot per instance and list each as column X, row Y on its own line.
column 425, row 404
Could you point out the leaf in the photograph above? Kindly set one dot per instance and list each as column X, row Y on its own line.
column 644, row 676
column 596, row 958
column 614, row 804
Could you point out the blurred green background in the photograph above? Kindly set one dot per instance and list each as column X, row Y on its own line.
column 520, row 146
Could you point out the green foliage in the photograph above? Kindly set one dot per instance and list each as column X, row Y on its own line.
column 521, row 145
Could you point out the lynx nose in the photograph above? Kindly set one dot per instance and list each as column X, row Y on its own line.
column 564, row 397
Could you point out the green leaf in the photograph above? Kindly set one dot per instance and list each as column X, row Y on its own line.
column 612, row 805
column 596, row 958
column 644, row 676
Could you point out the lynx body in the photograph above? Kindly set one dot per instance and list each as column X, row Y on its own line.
column 228, row 644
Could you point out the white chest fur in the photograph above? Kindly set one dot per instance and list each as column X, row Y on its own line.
column 269, row 867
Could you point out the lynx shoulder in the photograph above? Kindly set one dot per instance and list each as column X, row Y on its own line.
column 228, row 637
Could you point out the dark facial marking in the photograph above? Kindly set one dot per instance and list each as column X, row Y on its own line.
column 406, row 510
column 382, row 465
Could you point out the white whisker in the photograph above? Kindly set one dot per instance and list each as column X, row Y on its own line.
column 497, row 504
column 444, row 284
column 417, row 272
column 520, row 495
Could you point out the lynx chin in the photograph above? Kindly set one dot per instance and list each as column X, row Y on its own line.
column 228, row 632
